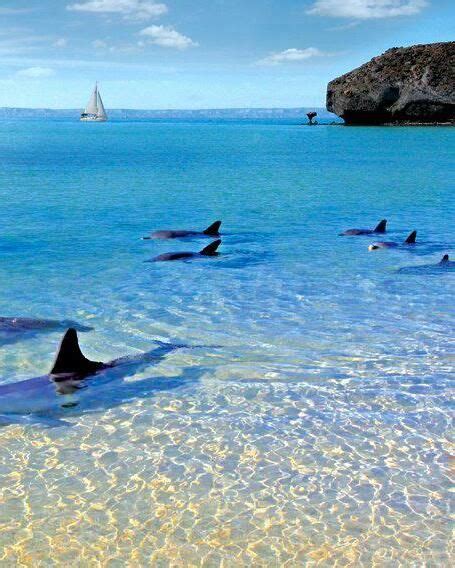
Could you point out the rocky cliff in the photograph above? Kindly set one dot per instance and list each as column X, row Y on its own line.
column 404, row 85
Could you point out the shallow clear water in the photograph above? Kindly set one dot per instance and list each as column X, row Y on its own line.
column 309, row 422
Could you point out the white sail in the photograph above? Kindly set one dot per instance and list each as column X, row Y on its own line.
column 101, row 111
column 94, row 111
column 92, row 105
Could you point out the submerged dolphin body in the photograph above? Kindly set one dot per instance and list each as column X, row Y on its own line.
column 14, row 329
column 212, row 231
column 410, row 240
column 69, row 387
column 209, row 250
column 445, row 264
column 17, row 325
column 379, row 229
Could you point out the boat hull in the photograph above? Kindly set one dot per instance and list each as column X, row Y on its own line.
column 95, row 119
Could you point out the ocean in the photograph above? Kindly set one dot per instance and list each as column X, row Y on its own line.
column 304, row 416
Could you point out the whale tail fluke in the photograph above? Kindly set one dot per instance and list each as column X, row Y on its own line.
column 381, row 226
column 444, row 259
column 210, row 250
column 214, row 229
column 411, row 238
column 70, row 360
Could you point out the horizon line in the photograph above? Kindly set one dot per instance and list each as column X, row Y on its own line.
column 170, row 109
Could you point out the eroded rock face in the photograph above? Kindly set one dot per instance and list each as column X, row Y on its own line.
column 404, row 85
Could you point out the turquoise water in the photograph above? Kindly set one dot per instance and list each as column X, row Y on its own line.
column 309, row 422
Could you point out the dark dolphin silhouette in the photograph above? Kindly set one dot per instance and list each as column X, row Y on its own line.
column 410, row 240
column 445, row 264
column 69, row 387
column 13, row 329
column 212, row 231
column 379, row 229
column 209, row 250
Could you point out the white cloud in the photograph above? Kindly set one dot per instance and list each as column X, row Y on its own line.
column 5, row 11
column 167, row 36
column 36, row 72
column 15, row 41
column 366, row 9
column 104, row 46
column 292, row 55
column 99, row 44
column 61, row 42
column 135, row 9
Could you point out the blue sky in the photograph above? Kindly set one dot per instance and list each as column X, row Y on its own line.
column 200, row 53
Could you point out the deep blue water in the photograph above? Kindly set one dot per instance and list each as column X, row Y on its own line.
column 326, row 366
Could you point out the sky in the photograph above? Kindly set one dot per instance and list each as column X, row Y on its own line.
column 157, row 54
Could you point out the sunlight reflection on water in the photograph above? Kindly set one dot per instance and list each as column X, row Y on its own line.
column 310, row 425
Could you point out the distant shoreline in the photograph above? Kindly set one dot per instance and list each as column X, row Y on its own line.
column 128, row 114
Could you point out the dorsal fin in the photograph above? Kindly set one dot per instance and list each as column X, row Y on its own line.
column 210, row 250
column 70, row 360
column 213, row 229
column 411, row 238
column 381, row 226
column 444, row 259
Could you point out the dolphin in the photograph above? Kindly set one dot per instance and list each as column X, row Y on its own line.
column 47, row 398
column 17, row 324
column 212, row 231
column 445, row 262
column 410, row 240
column 14, row 329
column 379, row 229
column 209, row 250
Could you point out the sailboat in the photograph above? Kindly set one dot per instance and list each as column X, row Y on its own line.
column 94, row 111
